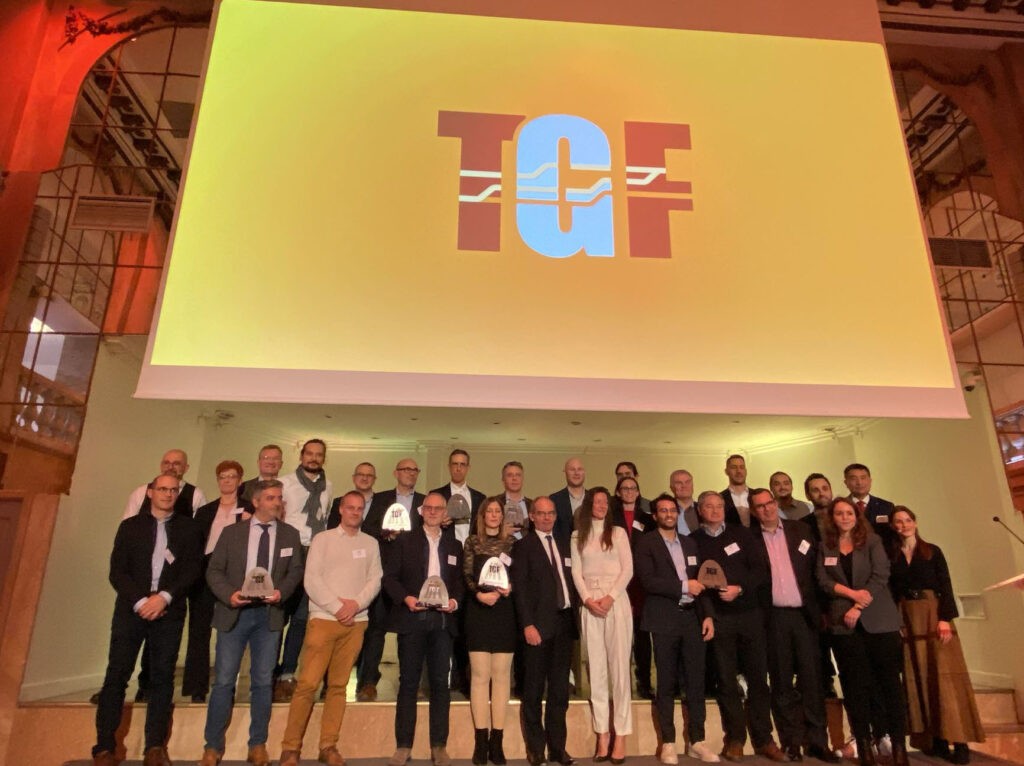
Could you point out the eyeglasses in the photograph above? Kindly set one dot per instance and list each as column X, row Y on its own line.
column 762, row 506
column 629, row 489
column 366, row 475
column 172, row 490
column 410, row 470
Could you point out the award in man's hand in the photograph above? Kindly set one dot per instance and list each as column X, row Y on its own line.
column 258, row 586
column 433, row 594
column 711, row 576
column 458, row 509
column 493, row 576
column 396, row 519
column 514, row 515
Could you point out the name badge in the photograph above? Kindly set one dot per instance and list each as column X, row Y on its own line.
column 451, row 560
column 804, row 547
column 359, row 553
column 568, row 561
column 638, row 525
column 505, row 559
column 691, row 561
column 882, row 518
column 168, row 556
column 831, row 561
column 285, row 553
column 731, row 549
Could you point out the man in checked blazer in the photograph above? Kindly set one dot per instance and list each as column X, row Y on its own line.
column 546, row 609
column 275, row 546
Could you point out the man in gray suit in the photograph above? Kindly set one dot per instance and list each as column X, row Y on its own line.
column 276, row 547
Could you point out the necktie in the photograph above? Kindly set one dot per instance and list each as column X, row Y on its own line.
column 861, row 507
column 263, row 551
column 558, row 577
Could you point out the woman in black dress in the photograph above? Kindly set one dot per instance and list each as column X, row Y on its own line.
column 490, row 630
column 940, row 701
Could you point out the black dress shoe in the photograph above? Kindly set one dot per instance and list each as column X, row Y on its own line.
column 823, row 754
column 793, row 753
column 95, row 699
column 563, row 758
column 199, row 698
column 533, row 759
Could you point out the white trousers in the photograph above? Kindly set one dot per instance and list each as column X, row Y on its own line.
column 609, row 644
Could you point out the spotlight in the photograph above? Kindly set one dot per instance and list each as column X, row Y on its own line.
column 926, row 4
column 961, row 5
column 993, row 6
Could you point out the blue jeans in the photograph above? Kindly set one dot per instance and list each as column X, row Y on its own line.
column 252, row 630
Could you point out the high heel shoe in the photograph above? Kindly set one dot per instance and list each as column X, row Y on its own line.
column 622, row 759
column 603, row 743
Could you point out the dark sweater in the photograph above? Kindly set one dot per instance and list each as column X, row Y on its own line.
column 743, row 565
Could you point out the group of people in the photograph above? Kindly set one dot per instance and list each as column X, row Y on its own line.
column 742, row 594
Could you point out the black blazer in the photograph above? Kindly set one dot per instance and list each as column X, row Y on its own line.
column 732, row 516
column 564, row 521
column 879, row 513
column 205, row 515
column 405, row 571
column 381, row 502
column 334, row 513
column 803, row 555
column 643, row 521
column 653, row 566
column 476, row 497
column 131, row 568
column 870, row 573
column 227, row 570
column 534, row 584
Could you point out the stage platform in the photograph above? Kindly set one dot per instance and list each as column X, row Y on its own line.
column 56, row 733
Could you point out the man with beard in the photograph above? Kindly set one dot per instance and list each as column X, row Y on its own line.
column 307, row 496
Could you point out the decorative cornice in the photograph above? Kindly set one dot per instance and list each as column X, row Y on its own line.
column 77, row 23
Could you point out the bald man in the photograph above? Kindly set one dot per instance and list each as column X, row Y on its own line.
column 569, row 498
column 173, row 463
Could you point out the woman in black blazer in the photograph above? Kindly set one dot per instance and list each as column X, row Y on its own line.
column 853, row 570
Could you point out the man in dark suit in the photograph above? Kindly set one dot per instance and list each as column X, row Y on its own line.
column 736, row 495
column 276, row 547
column 512, row 474
column 569, row 498
column 878, row 512
column 818, row 489
column 681, row 484
column 268, row 465
column 458, row 470
column 363, row 478
column 680, row 621
column 424, row 635
column 739, row 645
column 789, row 596
column 406, row 474
column 157, row 557
column 546, row 604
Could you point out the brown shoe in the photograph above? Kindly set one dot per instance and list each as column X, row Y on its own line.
column 258, row 756
column 367, row 694
column 156, row 756
column 289, row 758
column 772, row 752
column 733, row 751
column 210, row 757
column 331, row 756
column 284, row 688
column 104, row 758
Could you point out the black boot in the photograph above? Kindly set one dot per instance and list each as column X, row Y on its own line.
column 899, row 753
column 480, row 747
column 940, row 748
column 495, row 751
column 961, row 753
column 864, row 751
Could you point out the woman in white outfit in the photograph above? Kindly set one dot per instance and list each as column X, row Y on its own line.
column 602, row 566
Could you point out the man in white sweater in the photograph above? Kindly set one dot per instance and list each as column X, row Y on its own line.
column 343, row 575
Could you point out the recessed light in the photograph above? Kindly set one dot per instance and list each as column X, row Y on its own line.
column 521, row 439
column 666, row 442
column 413, row 418
column 575, row 422
column 495, row 422
column 374, row 437
column 597, row 440
column 453, row 437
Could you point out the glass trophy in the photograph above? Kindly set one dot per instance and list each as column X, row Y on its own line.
column 493, row 576
column 396, row 519
column 711, row 575
column 258, row 586
column 458, row 509
column 514, row 517
column 433, row 594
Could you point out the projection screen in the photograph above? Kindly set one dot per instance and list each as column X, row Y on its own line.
column 653, row 206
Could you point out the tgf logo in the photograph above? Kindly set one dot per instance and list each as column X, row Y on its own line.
column 563, row 191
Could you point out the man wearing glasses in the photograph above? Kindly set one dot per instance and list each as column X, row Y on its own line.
column 363, row 478
column 406, row 474
column 157, row 557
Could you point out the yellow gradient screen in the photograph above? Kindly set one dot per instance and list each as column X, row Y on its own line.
column 396, row 206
